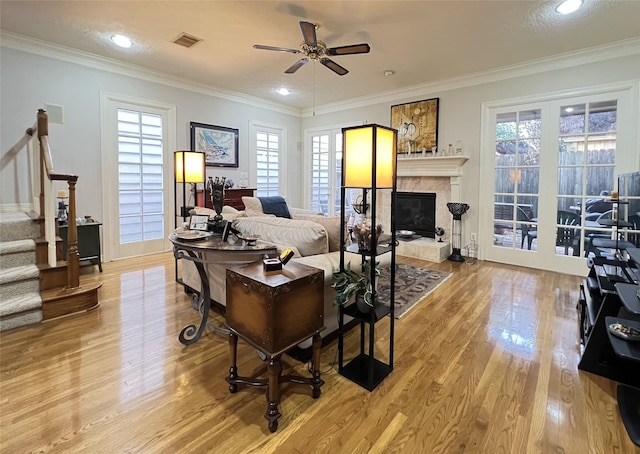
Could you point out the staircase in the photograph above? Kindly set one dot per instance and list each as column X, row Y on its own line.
column 35, row 283
column 20, row 301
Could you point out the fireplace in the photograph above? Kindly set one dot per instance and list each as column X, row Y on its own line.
column 416, row 211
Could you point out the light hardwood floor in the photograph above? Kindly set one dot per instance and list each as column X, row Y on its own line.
column 486, row 364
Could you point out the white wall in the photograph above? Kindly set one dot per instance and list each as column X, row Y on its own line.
column 29, row 81
column 460, row 111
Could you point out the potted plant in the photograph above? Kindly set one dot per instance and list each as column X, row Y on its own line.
column 348, row 283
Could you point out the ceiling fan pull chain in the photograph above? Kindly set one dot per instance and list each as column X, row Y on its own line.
column 314, row 90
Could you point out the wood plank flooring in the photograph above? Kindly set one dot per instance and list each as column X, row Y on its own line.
column 486, row 364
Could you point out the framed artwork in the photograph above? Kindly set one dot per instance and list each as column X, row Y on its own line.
column 219, row 144
column 417, row 125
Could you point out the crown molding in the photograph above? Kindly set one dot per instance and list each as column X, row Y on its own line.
column 63, row 53
column 567, row 60
column 591, row 55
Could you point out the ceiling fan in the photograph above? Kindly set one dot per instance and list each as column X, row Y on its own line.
column 314, row 49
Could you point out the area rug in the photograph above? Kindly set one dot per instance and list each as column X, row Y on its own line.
column 412, row 286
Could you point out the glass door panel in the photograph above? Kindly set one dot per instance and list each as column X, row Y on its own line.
column 516, row 179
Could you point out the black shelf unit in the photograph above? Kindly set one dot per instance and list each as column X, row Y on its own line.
column 365, row 369
column 609, row 295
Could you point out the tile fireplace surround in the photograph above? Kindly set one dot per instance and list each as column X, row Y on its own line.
column 441, row 175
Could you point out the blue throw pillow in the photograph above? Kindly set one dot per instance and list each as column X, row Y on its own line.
column 275, row 205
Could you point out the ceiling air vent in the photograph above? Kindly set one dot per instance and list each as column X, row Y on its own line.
column 186, row 40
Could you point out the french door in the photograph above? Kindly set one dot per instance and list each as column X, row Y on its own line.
column 547, row 170
column 325, row 169
column 138, row 140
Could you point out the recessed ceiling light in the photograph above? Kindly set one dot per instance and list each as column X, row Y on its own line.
column 283, row 91
column 122, row 41
column 569, row 6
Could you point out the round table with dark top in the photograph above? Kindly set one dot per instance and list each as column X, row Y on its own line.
column 212, row 249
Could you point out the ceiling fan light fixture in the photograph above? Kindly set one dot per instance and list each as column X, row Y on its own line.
column 122, row 41
column 568, row 6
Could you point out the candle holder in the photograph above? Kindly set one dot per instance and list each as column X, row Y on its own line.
column 63, row 214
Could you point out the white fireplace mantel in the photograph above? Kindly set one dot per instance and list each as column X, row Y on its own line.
column 440, row 166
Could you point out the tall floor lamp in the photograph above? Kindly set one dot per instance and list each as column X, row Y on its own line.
column 189, row 168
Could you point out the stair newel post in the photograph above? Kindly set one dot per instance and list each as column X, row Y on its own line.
column 73, row 257
column 43, row 130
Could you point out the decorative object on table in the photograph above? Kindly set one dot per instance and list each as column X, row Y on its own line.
column 216, row 187
column 369, row 161
column 229, row 184
column 457, row 209
column 218, row 143
column 365, row 235
column 405, row 234
column 417, row 125
column 63, row 215
column 439, row 233
column 188, row 168
column 625, row 332
column 198, row 222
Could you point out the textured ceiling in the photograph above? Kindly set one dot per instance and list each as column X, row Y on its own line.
column 422, row 41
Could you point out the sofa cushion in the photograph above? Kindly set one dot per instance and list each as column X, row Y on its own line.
column 308, row 237
column 332, row 226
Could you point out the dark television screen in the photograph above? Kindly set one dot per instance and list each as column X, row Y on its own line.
column 416, row 211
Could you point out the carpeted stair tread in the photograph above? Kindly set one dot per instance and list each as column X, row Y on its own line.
column 20, row 319
column 19, row 273
column 21, row 303
column 17, row 253
column 18, row 226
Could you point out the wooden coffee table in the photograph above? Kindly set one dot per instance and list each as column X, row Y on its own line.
column 274, row 311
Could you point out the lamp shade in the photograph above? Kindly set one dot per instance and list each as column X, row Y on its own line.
column 365, row 147
column 189, row 167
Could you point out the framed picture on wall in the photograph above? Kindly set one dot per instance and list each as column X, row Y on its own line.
column 219, row 144
column 417, row 125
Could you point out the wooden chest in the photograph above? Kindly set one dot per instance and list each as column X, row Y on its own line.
column 275, row 310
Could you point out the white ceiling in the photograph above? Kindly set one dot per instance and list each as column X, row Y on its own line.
column 422, row 41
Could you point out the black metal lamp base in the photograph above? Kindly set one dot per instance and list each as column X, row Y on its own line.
column 456, row 256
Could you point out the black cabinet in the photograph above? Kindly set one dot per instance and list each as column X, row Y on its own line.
column 88, row 242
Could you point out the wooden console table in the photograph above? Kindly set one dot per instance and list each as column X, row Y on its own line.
column 232, row 197
column 273, row 312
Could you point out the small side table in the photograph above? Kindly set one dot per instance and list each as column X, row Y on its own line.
column 88, row 242
column 274, row 311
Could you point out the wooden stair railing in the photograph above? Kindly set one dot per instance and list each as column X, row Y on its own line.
column 46, row 170
column 59, row 298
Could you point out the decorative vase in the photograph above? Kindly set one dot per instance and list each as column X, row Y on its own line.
column 217, row 195
column 364, row 234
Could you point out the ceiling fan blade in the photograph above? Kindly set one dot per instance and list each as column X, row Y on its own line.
column 333, row 66
column 349, row 50
column 309, row 33
column 279, row 49
column 297, row 65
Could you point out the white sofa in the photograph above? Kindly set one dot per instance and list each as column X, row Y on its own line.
column 313, row 238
